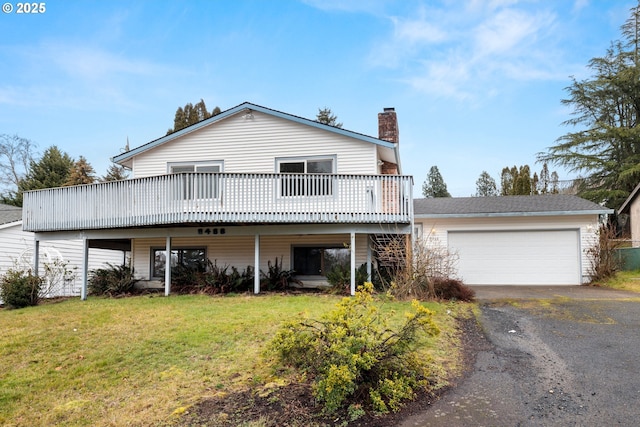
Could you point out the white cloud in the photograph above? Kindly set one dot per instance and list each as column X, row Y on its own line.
column 78, row 76
column 464, row 51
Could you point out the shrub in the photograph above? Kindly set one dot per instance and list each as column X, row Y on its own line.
column 452, row 289
column 210, row 278
column 602, row 254
column 276, row 278
column 20, row 288
column 352, row 351
column 112, row 281
column 339, row 277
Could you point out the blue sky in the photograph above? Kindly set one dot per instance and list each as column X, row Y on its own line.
column 476, row 84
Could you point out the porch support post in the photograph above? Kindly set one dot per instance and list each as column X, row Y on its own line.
column 369, row 257
column 36, row 256
column 353, row 263
column 167, row 268
column 85, row 268
column 256, row 263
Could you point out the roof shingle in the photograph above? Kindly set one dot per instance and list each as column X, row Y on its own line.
column 553, row 204
column 9, row 214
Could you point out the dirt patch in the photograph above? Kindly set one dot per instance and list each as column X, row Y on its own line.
column 294, row 404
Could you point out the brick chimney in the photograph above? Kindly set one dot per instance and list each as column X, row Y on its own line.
column 388, row 125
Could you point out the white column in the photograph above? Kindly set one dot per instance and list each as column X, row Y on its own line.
column 36, row 257
column 353, row 263
column 85, row 268
column 256, row 263
column 167, row 268
column 369, row 258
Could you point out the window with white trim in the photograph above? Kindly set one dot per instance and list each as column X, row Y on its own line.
column 203, row 186
column 311, row 185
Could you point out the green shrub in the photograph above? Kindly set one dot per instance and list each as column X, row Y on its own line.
column 276, row 278
column 339, row 277
column 210, row 278
column 352, row 351
column 112, row 281
column 20, row 289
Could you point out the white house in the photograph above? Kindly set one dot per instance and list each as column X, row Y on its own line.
column 16, row 251
column 244, row 187
column 513, row 240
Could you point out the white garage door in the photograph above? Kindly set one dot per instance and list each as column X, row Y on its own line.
column 517, row 257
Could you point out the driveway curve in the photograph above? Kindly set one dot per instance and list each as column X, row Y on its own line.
column 548, row 356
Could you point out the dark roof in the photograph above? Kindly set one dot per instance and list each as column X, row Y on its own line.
column 555, row 204
column 9, row 214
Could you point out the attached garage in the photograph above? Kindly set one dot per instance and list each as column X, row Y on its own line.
column 513, row 240
column 534, row 257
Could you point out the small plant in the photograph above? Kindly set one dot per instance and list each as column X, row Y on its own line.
column 112, row 281
column 20, row 289
column 352, row 351
column 276, row 278
column 210, row 278
column 452, row 289
column 339, row 277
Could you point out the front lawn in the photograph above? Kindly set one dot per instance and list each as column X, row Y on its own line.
column 145, row 360
column 623, row 280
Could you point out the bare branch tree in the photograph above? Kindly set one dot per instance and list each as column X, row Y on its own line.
column 16, row 154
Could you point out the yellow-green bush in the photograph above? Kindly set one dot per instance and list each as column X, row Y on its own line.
column 353, row 351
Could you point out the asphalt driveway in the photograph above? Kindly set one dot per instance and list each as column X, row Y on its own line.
column 548, row 356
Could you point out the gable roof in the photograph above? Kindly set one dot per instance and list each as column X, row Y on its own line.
column 9, row 214
column 541, row 205
column 627, row 203
column 247, row 106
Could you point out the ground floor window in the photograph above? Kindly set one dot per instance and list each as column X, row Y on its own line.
column 318, row 260
column 188, row 257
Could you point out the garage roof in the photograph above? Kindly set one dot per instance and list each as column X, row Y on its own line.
column 541, row 205
column 9, row 214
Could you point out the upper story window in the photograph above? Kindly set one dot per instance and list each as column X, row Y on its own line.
column 198, row 186
column 311, row 185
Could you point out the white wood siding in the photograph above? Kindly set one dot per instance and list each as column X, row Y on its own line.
column 436, row 230
column 634, row 217
column 17, row 245
column 238, row 251
column 251, row 146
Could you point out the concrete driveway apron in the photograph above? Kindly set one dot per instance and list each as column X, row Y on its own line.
column 548, row 356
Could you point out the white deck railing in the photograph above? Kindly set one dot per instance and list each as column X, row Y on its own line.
column 196, row 198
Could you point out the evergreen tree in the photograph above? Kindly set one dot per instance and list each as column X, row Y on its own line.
column 115, row 172
column 544, row 183
column 486, row 185
column 326, row 117
column 52, row 170
column 81, row 173
column 190, row 115
column 434, row 186
column 516, row 181
column 606, row 110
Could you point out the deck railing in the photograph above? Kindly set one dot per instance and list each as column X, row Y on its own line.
column 199, row 198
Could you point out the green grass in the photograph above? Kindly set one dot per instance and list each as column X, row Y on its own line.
column 143, row 360
column 624, row 280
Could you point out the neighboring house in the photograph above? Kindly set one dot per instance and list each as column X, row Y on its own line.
column 241, row 188
column 16, row 251
column 630, row 210
column 513, row 240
